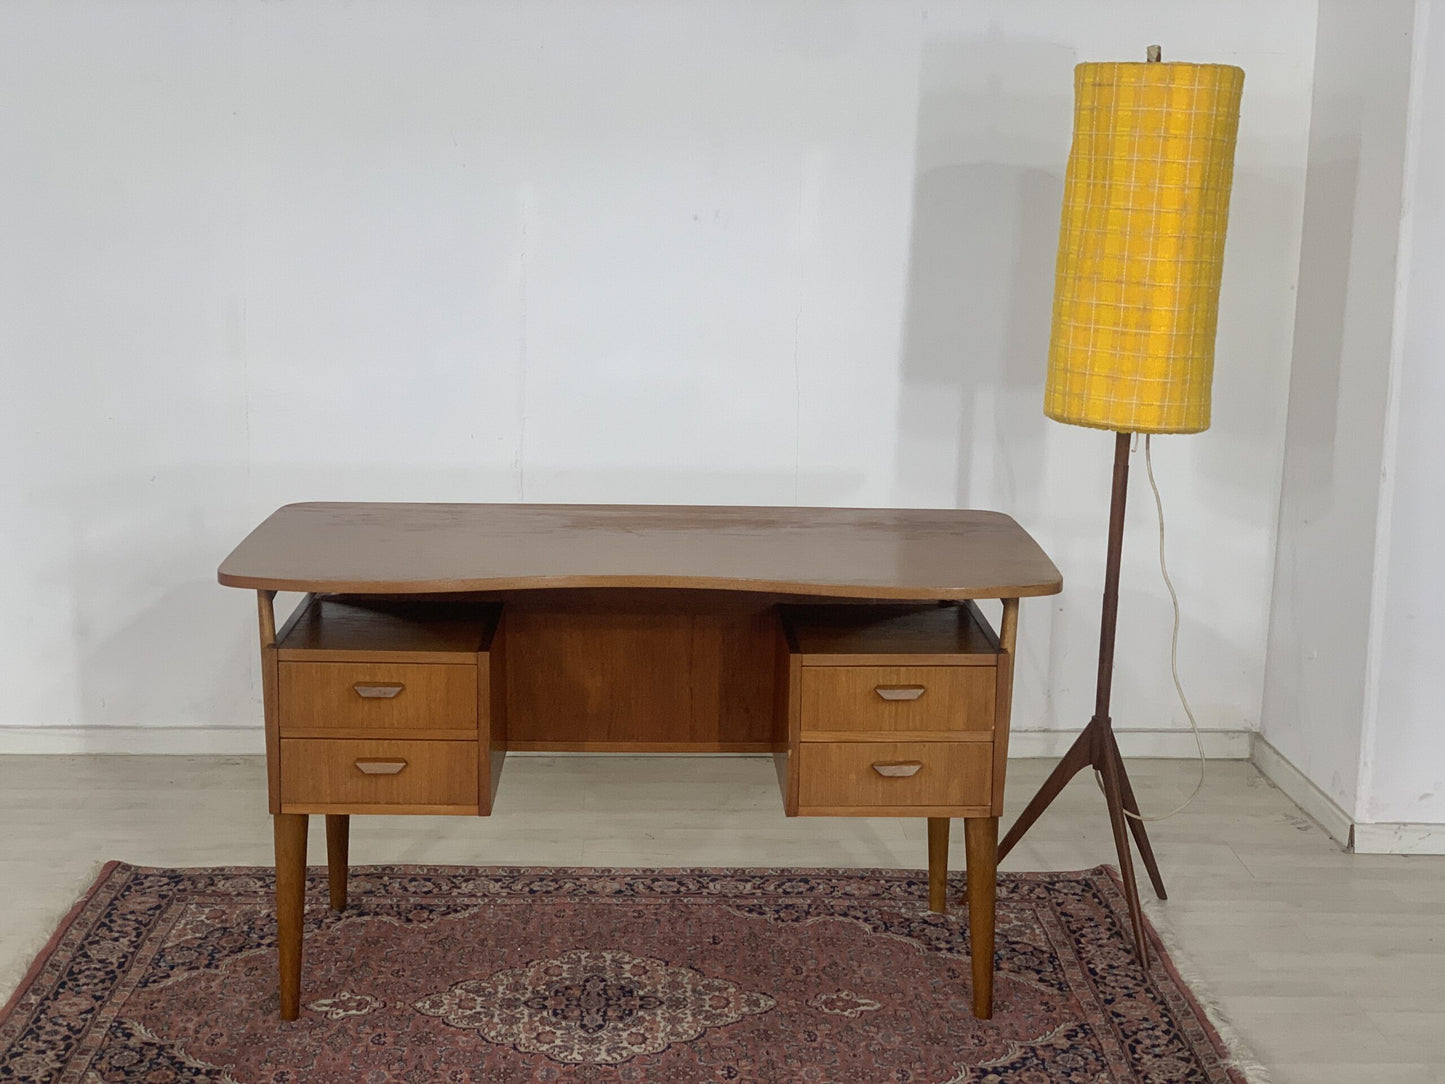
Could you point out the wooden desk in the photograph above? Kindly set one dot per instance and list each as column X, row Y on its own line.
column 435, row 637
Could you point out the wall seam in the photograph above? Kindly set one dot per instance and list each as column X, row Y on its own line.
column 1279, row 505
column 1390, row 438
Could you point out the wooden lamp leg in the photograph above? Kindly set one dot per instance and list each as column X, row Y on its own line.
column 1079, row 757
column 938, row 864
column 1096, row 747
column 1114, row 798
column 290, row 832
column 338, row 843
column 1141, row 837
column 981, row 839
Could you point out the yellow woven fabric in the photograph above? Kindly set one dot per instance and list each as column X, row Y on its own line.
column 1141, row 246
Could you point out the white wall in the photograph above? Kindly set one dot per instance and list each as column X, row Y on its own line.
column 1352, row 703
column 647, row 251
column 1403, row 751
column 1324, row 579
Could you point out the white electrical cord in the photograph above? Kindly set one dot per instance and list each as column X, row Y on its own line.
column 1173, row 655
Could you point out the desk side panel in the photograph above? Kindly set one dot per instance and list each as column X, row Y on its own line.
column 492, row 715
column 270, row 694
column 1008, row 641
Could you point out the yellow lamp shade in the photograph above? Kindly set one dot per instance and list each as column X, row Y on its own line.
column 1141, row 246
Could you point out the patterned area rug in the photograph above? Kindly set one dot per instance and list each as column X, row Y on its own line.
column 486, row 975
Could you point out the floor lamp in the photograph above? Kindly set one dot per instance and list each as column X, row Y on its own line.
column 1136, row 306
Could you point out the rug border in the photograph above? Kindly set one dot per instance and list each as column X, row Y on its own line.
column 37, row 965
column 1230, row 1053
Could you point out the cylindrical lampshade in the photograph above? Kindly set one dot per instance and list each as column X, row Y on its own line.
column 1141, row 246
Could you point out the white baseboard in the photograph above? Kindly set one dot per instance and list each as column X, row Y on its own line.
column 143, row 740
column 1360, row 837
column 1297, row 787
column 1165, row 744
column 1399, row 838
column 248, row 740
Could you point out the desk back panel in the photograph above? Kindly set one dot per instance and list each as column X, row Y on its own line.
column 654, row 672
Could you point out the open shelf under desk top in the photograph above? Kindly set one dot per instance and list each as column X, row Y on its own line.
column 874, row 553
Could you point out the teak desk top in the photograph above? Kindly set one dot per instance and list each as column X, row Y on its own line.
column 874, row 553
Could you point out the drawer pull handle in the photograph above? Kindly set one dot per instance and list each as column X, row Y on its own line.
column 898, row 769
column 899, row 692
column 377, row 766
column 378, row 692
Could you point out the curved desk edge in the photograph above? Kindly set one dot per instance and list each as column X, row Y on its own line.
column 849, row 553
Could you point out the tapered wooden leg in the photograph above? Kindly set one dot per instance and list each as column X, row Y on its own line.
column 290, row 832
column 1115, row 800
column 1079, row 757
column 981, row 840
column 338, row 842
column 1141, row 834
column 938, row 864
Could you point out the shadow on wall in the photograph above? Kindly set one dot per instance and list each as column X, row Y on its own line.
column 995, row 120
column 981, row 264
column 1319, row 345
column 1252, row 351
column 151, row 640
column 546, row 482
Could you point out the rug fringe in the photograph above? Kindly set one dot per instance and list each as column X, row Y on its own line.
column 1240, row 1057
column 32, row 951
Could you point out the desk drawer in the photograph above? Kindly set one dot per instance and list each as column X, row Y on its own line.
column 351, row 696
column 880, row 701
column 841, row 776
column 425, row 776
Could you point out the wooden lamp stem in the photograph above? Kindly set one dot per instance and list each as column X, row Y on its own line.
column 1096, row 748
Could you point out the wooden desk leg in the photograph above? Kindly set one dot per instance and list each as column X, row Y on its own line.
column 981, row 841
column 290, row 832
column 338, row 842
column 938, row 864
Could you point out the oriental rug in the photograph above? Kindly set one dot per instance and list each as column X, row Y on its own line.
column 499, row 975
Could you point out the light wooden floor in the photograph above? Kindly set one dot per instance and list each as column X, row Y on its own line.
column 1331, row 966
